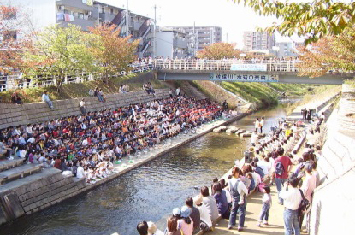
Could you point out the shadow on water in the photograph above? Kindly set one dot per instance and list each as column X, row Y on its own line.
column 149, row 192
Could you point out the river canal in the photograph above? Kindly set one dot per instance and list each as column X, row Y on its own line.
column 149, row 192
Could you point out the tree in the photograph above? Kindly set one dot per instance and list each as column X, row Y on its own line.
column 11, row 46
column 59, row 51
column 112, row 52
column 314, row 19
column 329, row 53
column 218, row 51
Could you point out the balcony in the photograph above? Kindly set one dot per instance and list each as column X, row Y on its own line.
column 83, row 23
column 76, row 4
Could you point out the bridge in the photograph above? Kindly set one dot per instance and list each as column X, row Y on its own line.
column 243, row 71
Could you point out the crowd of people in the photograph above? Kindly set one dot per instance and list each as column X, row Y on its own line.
column 269, row 160
column 87, row 145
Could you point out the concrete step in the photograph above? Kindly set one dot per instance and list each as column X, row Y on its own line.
column 45, row 173
column 19, row 172
column 7, row 164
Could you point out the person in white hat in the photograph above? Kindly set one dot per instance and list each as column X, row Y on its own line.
column 153, row 230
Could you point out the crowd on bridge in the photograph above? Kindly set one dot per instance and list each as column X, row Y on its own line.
column 270, row 160
column 87, row 145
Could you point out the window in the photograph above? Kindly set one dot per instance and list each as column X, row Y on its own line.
column 102, row 10
column 81, row 15
column 9, row 35
column 111, row 11
column 10, row 15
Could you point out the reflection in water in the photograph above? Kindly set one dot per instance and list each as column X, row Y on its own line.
column 146, row 193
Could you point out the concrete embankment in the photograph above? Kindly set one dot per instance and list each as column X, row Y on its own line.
column 333, row 201
column 41, row 190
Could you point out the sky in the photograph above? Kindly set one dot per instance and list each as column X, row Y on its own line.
column 232, row 17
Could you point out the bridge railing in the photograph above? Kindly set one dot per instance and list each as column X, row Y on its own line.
column 224, row 65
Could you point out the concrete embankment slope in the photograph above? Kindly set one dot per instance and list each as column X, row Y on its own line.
column 334, row 201
column 14, row 115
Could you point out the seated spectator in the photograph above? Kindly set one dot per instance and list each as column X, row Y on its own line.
column 16, row 98
column 195, row 214
column 153, row 230
column 172, row 226
column 142, row 228
column 185, row 224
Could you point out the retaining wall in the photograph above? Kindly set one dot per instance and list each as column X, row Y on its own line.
column 334, row 200
column 14, row 114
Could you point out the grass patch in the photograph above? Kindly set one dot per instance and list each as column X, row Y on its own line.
column 68, row 91
column 253, row 92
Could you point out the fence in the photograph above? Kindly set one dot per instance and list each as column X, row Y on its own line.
column 267, row 66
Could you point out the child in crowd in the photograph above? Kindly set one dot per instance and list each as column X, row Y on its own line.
column 264, row 215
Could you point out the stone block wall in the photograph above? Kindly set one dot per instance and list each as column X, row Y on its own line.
column 333, row 202
column 14, row 115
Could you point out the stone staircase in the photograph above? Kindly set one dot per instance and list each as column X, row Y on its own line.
column 28, row 188
column 15, row 115
column 191, row 91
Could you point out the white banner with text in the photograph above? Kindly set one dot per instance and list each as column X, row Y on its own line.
column 244, row 77
column 249, row 67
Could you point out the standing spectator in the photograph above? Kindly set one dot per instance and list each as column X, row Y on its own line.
column 238, row 190
column 101, row 96
column 46, row 99
column 282, row 166
column 82, row 106
column 177, row 91
column 257, row 125
column 195, row 214
column 221, row 200
column 292, row 198
column 261, row 124
column 308, row 186
column 171, row 93
column 225, row 105
column 264, row 215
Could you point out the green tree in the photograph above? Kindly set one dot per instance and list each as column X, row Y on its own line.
column 329, row 53
column 112, row 52
column 218, row 51
column 59, row 51
column 314, row 19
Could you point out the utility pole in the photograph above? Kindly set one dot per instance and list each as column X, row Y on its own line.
column 227, row 37
column 127, row 20
column 155, row 32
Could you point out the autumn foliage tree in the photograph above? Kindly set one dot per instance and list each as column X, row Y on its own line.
column 314, row 19
column 112, row 52
column 336, row 53
column 10, row 47
column 218, row 51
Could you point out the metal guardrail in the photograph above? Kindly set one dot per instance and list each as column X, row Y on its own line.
column 225, row 65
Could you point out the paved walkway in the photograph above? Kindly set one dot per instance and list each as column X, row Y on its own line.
column 254, row 205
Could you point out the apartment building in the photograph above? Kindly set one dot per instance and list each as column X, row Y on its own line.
column 286, row 49
column 258, row 41
column 140, row 27
column 171, row 43
column 200, row 36
column 85, row 14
